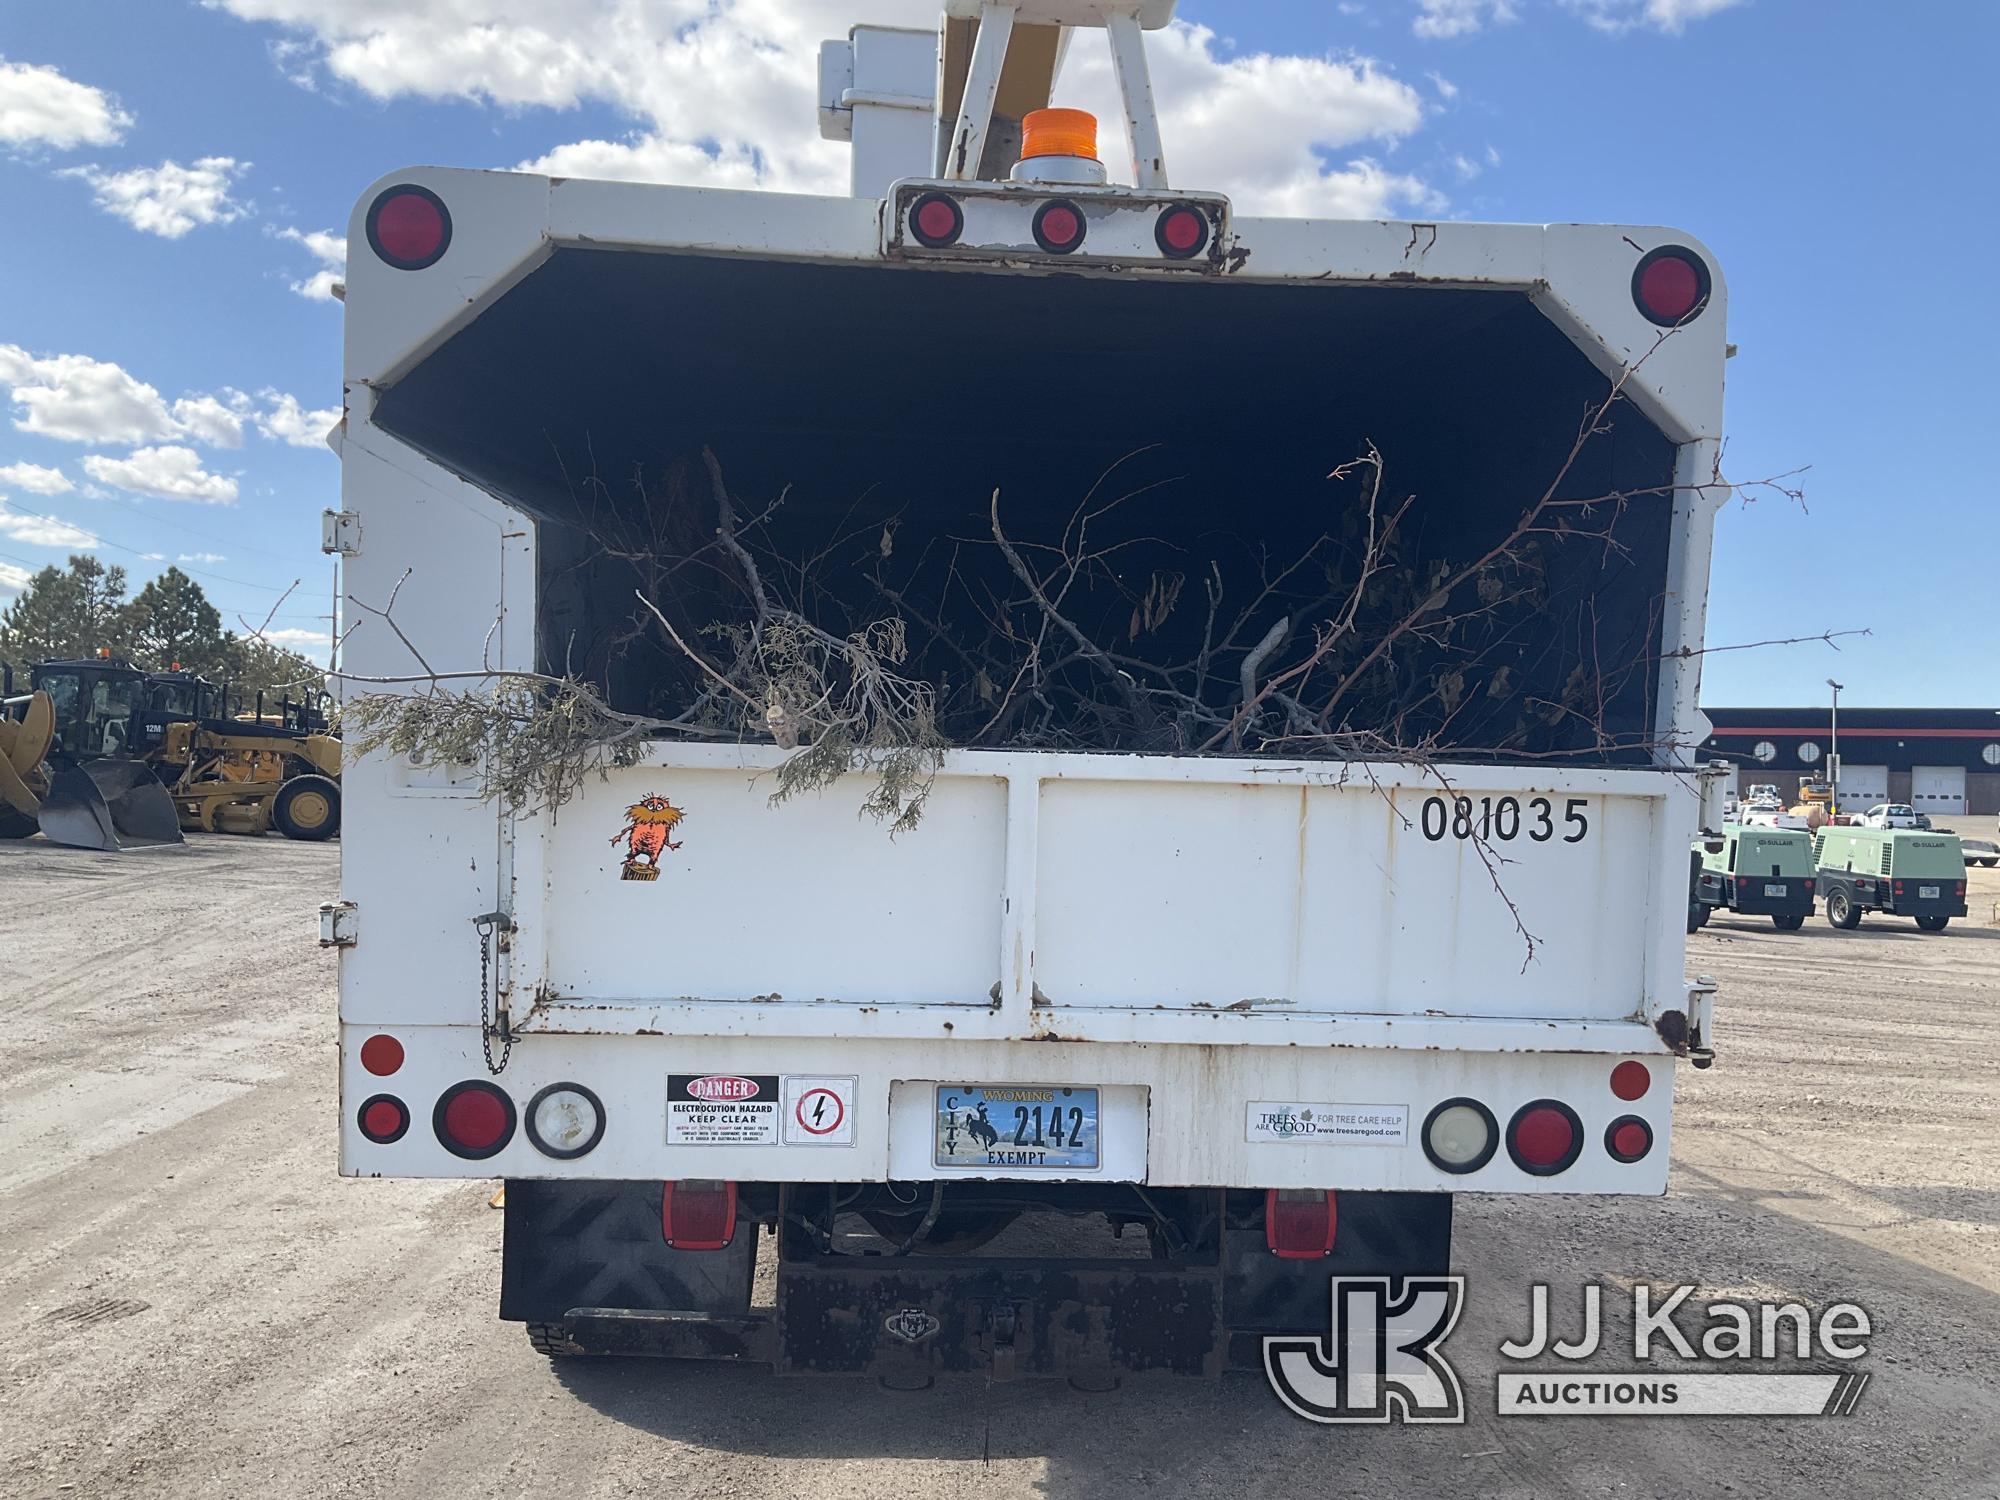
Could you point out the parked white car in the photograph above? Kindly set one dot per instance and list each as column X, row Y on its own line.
column 1893, row 815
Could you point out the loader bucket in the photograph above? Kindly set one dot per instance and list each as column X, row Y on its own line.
column 109, row 804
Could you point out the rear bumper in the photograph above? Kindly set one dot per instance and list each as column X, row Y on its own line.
column 1200, row 1311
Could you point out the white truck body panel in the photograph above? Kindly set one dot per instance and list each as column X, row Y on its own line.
column 1205, row 933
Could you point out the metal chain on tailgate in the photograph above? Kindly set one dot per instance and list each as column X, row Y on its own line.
column 487, row 926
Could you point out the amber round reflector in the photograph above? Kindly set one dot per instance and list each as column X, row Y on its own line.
column 409, row 227
column 381, row 1055
column 1630, row 1080
column 1058, row 132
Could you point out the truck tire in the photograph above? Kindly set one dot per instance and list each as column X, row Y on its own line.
column 551, row 1339
column 1841, row 910
column 308, row 808
column 1697, row 915
column 1790, row 923
column 1933, row 924
column 15, row 824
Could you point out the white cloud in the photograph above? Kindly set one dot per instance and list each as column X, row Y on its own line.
column 170, row 473
column 170, row 199
column 1445, row 87
column 40, row 107
column 42, row 531
column 284, row 419
column 1465, row 166
column 82, row 400
column 295, row 637
column 1448, row 18
column 13, row 579
column 214, row 420
column 1669, row 16
column 35, row 479
column 722, row 92
column 330, row 250
column 1262, row 127
column 201, row 557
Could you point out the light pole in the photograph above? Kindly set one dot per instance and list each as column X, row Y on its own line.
column 1833, row 777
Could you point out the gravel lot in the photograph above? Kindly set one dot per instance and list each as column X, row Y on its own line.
column 201, row 1307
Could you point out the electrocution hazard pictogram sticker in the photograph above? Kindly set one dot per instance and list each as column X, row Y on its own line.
column 818, row 1111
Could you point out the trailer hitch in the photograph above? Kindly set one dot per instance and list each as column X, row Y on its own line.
column 1002, row 1322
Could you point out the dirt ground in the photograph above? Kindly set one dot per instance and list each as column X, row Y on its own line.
column 201, row 1307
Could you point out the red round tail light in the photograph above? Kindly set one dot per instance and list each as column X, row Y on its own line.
column 409, row 227
column 1544, row 1137
column 382, row 1055
column 1181, row 233
column 1059, row 227
column 383, row 1119
column 1670, row 285
column 1628, row 1138
column 1630, row 1080
column 473, row 1120
column 937, row 221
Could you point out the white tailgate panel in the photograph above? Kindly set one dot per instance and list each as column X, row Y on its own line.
column 800, row 903
column 1330, row 898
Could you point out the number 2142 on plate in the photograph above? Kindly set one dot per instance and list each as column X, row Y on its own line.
column 1015, row 1126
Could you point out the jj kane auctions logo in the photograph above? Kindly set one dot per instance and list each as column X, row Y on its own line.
column 1380, row 1361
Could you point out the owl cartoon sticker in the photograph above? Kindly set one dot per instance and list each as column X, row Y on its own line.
column 649, row 826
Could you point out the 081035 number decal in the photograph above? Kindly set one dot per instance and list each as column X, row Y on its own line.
column 1504, row 819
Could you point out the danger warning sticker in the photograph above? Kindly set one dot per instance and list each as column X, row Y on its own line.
column 722, row 1109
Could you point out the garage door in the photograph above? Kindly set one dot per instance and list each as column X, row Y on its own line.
column 1863, row 787
column 1938, row 789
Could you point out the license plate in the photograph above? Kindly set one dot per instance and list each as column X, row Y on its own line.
column 1775, row 890
column 1016, row 1127
column 1929, row 892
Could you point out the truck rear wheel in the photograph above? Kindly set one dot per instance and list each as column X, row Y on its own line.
column 1790, row 923
column 308, row 807
column 1933, row 924
column 552, row 1340
column 1841, row 910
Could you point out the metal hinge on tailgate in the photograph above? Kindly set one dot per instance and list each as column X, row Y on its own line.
column 339, row 924
column 340, row 532
column 1701, row 1021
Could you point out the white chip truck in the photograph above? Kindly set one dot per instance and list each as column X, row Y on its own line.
column 1243, row 1018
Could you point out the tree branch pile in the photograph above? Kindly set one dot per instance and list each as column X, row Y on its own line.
column 1352, row 620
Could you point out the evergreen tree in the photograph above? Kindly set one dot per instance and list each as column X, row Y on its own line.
column 171, row 621
column 68, row 612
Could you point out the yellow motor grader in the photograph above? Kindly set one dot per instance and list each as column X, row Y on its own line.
column 242, row 774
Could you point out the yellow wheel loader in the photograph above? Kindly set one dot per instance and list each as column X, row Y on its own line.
column 70, row 768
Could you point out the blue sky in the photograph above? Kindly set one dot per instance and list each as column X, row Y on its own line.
column 1835, row 156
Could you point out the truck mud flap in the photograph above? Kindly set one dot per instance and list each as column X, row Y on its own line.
column 109, row 804
column 595, row 1248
